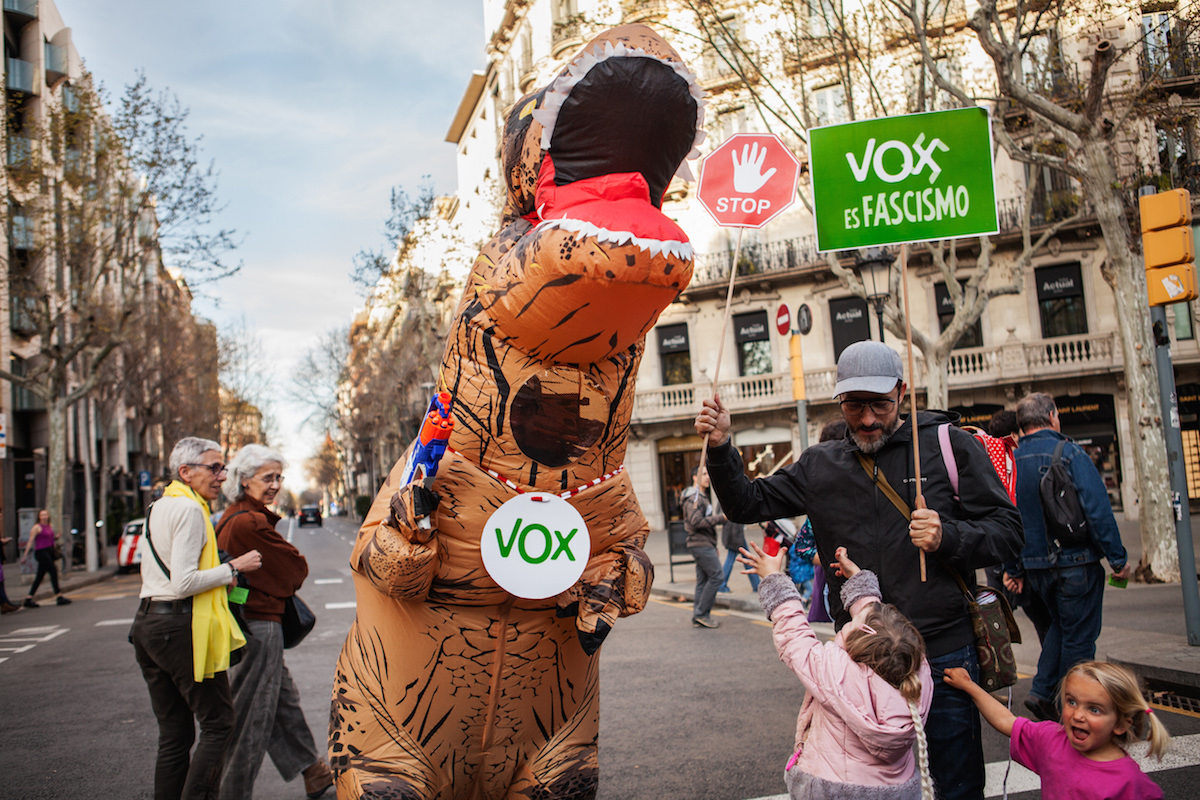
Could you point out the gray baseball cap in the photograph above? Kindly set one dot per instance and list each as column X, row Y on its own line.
column 868, row 367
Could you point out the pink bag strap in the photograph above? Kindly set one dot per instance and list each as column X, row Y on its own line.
column 948, row 456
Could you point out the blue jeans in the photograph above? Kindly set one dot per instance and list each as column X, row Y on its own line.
column 1075, row 598
column 730, row 561
column 708, row 579
column 954, row 732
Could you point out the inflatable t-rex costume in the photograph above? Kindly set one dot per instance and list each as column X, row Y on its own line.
column 449, row 686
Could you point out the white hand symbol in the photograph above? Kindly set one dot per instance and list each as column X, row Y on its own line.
column 748, row 176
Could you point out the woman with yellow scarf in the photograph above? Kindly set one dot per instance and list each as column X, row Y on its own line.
column 183, row 632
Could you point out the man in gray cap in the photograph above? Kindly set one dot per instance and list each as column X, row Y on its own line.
column 844, row 487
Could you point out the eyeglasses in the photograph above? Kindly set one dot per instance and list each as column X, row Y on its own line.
column 878, row 407
column 215, row 469
column 274, row 477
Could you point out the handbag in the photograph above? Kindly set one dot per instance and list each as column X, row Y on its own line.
column 992, row 620
column 298, row 621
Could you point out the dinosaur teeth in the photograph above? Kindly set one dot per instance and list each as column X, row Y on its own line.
column 672, row 247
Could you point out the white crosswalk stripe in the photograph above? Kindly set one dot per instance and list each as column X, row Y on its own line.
column 24, row 639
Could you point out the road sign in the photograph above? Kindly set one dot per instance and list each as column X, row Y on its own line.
column 748, row 180
column 144, row 480
column 783, row 320
column 804, row 318
column 900, row 179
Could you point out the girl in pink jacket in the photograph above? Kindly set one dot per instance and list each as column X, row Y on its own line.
column 867, row 693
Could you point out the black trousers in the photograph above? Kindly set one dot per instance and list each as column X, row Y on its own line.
column 45, row 566
column 163, row 645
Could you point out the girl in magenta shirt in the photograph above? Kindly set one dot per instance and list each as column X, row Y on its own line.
column 1082, row 756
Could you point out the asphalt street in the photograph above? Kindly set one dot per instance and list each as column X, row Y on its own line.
column 686, row 713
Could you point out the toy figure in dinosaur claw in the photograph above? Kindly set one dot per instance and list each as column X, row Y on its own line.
column 456, row 682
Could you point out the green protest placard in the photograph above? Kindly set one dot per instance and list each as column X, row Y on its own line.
column 903, row 179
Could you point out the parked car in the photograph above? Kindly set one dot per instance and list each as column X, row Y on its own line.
column 129, row 557
column 309, row 515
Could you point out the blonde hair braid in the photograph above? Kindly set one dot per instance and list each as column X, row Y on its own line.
column 922, row 752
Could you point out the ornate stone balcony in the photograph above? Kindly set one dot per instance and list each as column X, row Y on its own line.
column 1012, row 362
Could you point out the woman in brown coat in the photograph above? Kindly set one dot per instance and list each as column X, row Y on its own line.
column 269, row 719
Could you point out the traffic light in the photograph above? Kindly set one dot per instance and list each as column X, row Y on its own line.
column 1168, row 247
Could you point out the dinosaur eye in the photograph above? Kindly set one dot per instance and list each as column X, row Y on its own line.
column 557, row 415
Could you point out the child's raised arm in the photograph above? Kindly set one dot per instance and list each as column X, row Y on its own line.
column 992, row 709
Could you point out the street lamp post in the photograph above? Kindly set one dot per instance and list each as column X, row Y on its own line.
column 874, row 265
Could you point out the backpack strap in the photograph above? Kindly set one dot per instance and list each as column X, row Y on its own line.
column 880, row 480
column 1058, row 448
column 948, row 456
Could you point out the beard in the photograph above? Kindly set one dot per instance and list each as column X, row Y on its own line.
column 874, row 446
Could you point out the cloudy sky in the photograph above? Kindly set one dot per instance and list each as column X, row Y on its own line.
column 312, row 111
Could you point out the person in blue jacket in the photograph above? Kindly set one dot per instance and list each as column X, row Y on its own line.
column 1069, row 580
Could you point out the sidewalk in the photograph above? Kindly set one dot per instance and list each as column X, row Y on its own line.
column 1148, row 633
column 17, row 584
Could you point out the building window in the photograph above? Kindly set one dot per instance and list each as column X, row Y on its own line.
column 1060, row 301
column 829, row 105
column 753, row 343
column 972, row 336
column 848, row 317
column 822, row 17
column 674, row 353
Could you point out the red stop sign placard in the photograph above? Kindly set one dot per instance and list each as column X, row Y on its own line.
column 783, row 320
column 748, row 180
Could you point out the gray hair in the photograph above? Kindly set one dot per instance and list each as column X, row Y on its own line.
column 249, row 460
column 1035, row 411
column 189, row 450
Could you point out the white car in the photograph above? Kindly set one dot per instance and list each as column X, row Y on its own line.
column 129, row 557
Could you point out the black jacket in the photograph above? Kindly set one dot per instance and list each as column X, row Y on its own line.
column 847, row 509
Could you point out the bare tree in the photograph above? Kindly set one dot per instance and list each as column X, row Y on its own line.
column 247, row 381
column 92, row 240
column 403, row 215
column 1074, row 127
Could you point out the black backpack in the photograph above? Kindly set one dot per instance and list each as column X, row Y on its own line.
column 1066, row 523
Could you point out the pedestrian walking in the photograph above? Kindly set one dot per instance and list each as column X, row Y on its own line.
column 183, row 632
column 42, row 541
column 733, row 539
column 701, row 525
column 265, row 698
column 859, row 493
column 1067, row 577
column 1083, row 755
column 867, row 693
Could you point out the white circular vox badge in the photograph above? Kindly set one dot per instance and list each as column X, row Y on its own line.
column 535, row 545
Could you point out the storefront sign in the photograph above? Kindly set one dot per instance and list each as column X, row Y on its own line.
column 1061, row 281
column 673, row 339
column 903, row 179
column 850, row 323
column 750, row 327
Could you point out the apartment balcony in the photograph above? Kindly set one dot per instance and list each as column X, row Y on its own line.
column 56, row 63
column 19, row 76
column 22, row 10
column 70, row 98
column 1014, row 362
column 639, row 10
column 1172, row 62
column 567, row 34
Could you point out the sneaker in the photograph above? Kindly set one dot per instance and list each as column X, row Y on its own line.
column 8, row 608
column 317, row 779
column 63, row 601
column 29, row 603
column 705, row 622
column 1042, row 710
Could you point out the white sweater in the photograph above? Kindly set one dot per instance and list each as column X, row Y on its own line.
column 177, row 527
